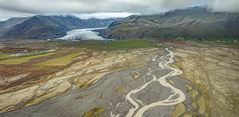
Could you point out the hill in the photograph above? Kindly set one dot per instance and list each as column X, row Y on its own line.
column 46, row 27
column 191, row 23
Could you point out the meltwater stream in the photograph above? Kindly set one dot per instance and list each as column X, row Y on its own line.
column 176, row 97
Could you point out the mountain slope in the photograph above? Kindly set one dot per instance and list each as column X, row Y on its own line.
column 5, row 25
column 191, row 23
column 45, row 27
column 1, row 23
column 11, row 22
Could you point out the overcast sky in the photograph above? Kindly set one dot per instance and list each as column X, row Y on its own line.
column 105, row 8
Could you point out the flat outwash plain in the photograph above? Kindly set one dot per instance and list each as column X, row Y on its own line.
column 149, row 79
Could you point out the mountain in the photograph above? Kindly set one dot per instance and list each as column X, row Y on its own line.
column 4, row 25
column 191, row 23
column 1, row 23
column 46, row 27
column 11, row 22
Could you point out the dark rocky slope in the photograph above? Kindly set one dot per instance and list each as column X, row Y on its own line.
column 192, row 23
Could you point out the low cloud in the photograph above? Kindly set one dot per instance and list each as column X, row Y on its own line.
column 93, row 6
column 224, row 5
column 23, row 7
column 6, row 14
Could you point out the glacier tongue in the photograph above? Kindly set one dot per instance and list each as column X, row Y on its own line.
column 83, row 34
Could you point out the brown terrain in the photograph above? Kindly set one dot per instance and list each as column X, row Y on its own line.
column 28, row 84
column 210, row 70
column 213, row 70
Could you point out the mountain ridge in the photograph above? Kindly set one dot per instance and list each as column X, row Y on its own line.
column 47, row 27
column 191, row 23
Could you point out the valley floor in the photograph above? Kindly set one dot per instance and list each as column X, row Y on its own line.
column 96, row 83
column 214, row 70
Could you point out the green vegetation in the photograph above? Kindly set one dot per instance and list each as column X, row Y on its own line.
column 131, row 44
column 115, row 45
column 179, row 110
column 211, row 40
column 20, row 60
column 120, row 89
column 62, row 61
column 96, row 112
column 216, row 43
column 5, row 56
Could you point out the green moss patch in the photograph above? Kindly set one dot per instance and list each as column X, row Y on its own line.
column 62, row 61
column 96, row 112
column 20, row 60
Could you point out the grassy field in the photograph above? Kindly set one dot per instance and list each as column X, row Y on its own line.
column 62, row 61
column 115, row 45
column 5, row 56
column 20, row 60
column 128, row 44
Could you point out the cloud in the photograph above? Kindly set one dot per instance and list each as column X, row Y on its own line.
column 224, row 5
column 92, row 6
column 112, row 7
column 88, row 8
column 6, row 14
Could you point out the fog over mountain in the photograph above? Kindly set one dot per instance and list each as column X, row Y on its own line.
column 224, row 5
column 121, row 8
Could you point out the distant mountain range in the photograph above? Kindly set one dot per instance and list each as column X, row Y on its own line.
column 46, row 27
column 191, row 23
